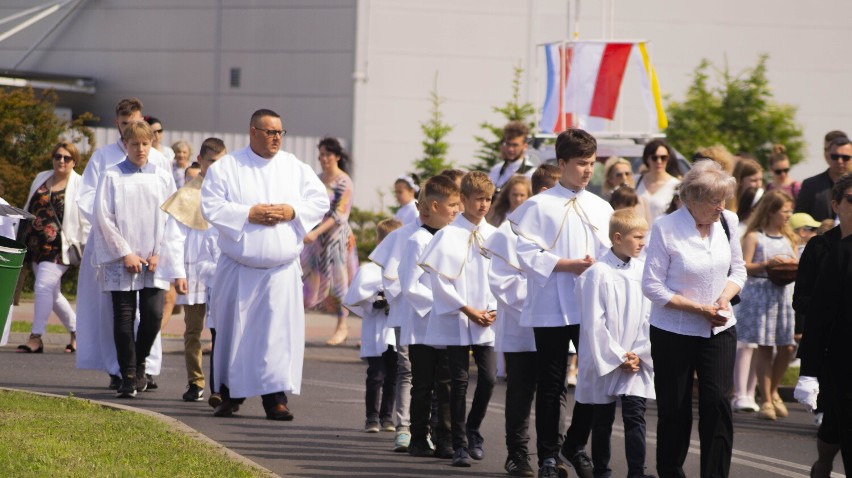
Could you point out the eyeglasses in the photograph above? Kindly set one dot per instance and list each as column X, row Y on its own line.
column 62, row 157
column 844, row 157
column 271, row 133
column 659, row 157
column 781, row 171
column 158, row 131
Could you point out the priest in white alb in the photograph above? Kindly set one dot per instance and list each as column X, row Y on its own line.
column 262, row 201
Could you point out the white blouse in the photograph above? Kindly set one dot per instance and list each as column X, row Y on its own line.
column 680, row 261
column 655, row 205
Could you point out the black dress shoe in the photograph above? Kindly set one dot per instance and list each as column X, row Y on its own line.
column 278, row 412
column 226, row 408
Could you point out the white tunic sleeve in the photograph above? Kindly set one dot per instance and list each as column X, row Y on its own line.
column 419, row 295
column 446, row 297
column 172, row 263
column 362, row 292
column 596, row 300
column 230, row 217
column 537, row 263
column 111, row 246
column 89, row 186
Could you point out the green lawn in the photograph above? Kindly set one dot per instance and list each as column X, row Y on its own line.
column 27, row 327
column 68, row 437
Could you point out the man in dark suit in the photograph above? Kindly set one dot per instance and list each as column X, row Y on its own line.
column 815, row 195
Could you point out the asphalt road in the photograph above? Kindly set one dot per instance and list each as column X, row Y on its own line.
column 326, row 437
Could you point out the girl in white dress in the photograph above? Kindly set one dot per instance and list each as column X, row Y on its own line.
column 657, row 185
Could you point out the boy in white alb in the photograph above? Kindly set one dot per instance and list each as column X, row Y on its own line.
column 208, row 258
column 387, row 255
column 463, row 312
column 560, row 234
column 429, row 367
column 128, row 235
column 517, row 344
column 185, row 231
column 366, row 299
column 615, row 347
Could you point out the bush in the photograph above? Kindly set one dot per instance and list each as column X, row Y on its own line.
column 364, row 227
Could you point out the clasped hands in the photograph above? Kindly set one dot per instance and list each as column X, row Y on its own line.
column 717, row 313
column 631, row 363
column 483, row 318
column 271, row 214
column 134, row 264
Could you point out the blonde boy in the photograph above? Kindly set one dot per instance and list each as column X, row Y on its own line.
column 615, row 350
column 464, row 310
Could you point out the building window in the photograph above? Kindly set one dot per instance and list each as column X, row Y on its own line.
column 235, row 77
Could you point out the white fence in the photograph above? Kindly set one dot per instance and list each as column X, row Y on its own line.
column 304, row 147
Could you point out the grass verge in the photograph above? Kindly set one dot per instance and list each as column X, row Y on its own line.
column 45, row 436
column 27, row 327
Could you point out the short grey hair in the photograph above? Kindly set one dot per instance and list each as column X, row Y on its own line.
column 182, row 143
column 706, row 180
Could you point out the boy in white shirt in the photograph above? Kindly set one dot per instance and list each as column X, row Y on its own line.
column 517, row 344
column 560, row 234
column 463, row 312
column 185, row 231
column 128, row 236
column 366, row 299
column 429, row 368
column 615, row 348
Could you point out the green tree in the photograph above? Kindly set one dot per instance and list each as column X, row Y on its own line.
column 29, row 130
column 488, row 152
column 435, row 148
column 739, row 113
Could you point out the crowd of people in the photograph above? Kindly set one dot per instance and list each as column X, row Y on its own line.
column 517, row 269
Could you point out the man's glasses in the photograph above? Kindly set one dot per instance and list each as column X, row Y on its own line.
column 781, row 171
column 271, row 133
column 62, row 157
column 844, row 157
column 659, row 157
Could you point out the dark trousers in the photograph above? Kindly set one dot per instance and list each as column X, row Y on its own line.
column 836, row 394
column 633, row 416
column 381, row 386
column 133, row 352
column 486, row 368
column 520, row 392
column 212, row 351
column 677, row 358
column 429, row 371
column 269, row 399
column 552, row 355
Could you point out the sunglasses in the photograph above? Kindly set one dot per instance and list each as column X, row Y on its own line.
column 781, row 171
column 659, row 157
column 62, row 157
column 844, row 157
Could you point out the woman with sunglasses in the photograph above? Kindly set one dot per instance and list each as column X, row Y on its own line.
column 779, row 164
column 54, row 240
column 656, row 186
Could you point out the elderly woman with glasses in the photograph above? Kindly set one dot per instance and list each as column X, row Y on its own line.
column 694, row 268
column 779, row 165
column 657, row 185
column 54, row 241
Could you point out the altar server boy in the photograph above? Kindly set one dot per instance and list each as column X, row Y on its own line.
column 561, row 232
column 508, row 283
column 463, row 312
column 185, row 231
column 128, row 235
column 366, row 299
column 429, row 368
column 615, row 349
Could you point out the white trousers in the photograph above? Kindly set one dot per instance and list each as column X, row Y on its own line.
column 48, row 297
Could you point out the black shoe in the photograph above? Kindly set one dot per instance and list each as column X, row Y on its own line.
column 474, row 445
column 193, row 393
column 152, row 385
column 444, row 450
column 518, row 464
column 226, row 409
column 582, row 464
column 141, row 381
column 114, row 382
column 215, row 400
column 127, row 387
column 420, row 447
column 461, row 458
column 548, row 469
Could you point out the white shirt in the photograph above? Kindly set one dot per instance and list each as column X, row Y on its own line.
column 655, row 205
column 407, row 213
column 680, row 261
column 458, row 271
column 557, row 224
column 614, row 321
column 500, row 179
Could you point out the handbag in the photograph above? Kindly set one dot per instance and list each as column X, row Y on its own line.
column 75, row 251
column 782, row 273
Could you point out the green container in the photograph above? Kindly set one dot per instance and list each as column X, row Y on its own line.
column 11, row 259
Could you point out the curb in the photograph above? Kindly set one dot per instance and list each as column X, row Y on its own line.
column 172, row 422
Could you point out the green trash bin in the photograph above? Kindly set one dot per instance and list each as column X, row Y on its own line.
column 11, row 260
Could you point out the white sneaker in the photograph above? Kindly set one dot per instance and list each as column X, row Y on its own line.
column 744, row 404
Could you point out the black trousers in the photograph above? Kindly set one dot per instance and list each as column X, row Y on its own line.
column 268, row 399
column 212, row 351
column 132, row 352
column 486, row 367
column 520, row 392
column 381, row 386
column 677, row 358
column 552, row 355
column 836, row 402
column 429, row 371
column 633, row 416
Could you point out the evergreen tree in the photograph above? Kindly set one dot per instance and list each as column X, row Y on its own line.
column 435, row 148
